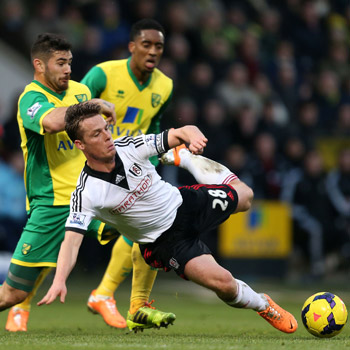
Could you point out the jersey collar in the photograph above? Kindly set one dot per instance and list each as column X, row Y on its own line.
column 134, row 79
column 59, row 96
column 116, row 177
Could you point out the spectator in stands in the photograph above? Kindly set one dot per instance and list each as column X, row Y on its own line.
column 266, row 167
column 235, row 90
column 341, row 126
column 338, row 189
column 328, row 97
column 313, row 216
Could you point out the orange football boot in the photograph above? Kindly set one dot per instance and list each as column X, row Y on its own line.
column 278, row 317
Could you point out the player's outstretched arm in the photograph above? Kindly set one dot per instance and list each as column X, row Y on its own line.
column 188, row 134
column 67, row 258
column 53, row 122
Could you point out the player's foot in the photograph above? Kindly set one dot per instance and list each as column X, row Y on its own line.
column 278, row 317
column 149, row 317
column 106, row 307
column 17, row 320
column 173, row 156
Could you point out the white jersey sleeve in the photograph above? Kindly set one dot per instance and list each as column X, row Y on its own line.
column 146, row 146
column 81, row 211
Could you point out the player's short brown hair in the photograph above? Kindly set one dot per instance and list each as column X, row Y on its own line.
column 76, row 114
column 48, row 43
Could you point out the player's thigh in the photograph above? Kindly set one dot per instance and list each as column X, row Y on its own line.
column 209, row 205
column 42, row 236
column 10, row 296
column 23, row 278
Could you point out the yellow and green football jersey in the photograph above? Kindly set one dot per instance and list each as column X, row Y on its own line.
column 138, row 107
column 52, row 162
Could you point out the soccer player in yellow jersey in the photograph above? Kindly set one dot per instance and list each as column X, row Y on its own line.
column 52, row 167
column 140, row 93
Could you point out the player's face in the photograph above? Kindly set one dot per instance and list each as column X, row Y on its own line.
column 147, row 50
column 57, row 71
column 97, row 142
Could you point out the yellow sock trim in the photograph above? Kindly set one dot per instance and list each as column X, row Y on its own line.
column 26, row 303
column 142, row 280
column 119, row 267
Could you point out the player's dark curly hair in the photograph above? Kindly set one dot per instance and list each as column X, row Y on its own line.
column 146, row 23
column 75, row 114
column 46, row 44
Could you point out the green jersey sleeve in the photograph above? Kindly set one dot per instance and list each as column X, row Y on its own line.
column 95, row 79
column 154, row 128
column 32, row 107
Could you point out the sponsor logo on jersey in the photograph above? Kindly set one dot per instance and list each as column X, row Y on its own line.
column 31, row 111
column 26, row 248
column 135, row 170
column 174, row 264
column 120, row 94
column 133, row 115
column 155, row 100
column 119, row 178
column 81, row 97
column 131, row 198
column 77, row 219
column 65, row 145
column 123, row 131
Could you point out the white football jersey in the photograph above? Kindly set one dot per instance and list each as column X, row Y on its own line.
column 132, row 198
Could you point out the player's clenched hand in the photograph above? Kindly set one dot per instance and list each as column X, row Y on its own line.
column 197, row 141
column 107, row 109
column 53, row 293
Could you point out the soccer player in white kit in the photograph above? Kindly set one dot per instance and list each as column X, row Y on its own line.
column 120, row 186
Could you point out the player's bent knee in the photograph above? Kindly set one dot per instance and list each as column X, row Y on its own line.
column 245, row 197
column 10, row 296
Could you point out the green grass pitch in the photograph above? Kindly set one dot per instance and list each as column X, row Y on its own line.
column 203, row 322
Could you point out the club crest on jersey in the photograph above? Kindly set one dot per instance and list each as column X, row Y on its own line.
column 81, row 97
column 136, row 170
column 77, row 219
column 31, row 111
column 26, row 248
column 155, row 99
column 174, row 264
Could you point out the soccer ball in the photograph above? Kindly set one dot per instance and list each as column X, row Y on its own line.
column 324, row 315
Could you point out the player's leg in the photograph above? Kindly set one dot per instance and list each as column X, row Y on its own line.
column 207, row 171
column 205, row 271
column 141, row 314
column 10, row 296
column 101, row 300
column 17, row 318
column 37, row 249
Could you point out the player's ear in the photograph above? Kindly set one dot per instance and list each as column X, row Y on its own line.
column 39, row 65
column 79, row 145
column 131, row 46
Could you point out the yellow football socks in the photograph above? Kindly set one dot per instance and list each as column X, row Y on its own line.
column 119, row 267
column 142, row 280
column 26, row 303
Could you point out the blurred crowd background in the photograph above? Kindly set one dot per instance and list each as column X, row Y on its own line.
column 267, row 81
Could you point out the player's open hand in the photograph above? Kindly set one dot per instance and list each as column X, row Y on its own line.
column 53, row 293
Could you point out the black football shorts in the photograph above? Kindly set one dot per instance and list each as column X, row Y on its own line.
column 204, row 207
